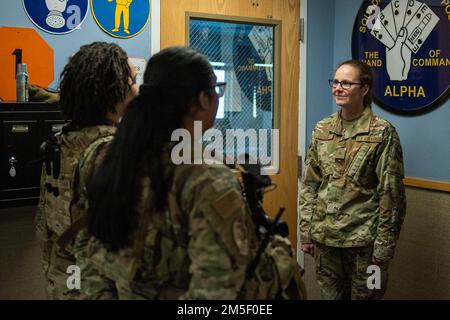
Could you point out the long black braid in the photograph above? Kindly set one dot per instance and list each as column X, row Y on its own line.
column 173, row 81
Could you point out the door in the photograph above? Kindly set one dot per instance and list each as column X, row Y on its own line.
column 174, row 25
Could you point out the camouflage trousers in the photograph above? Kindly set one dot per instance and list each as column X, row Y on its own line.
column 344, row 273
column 57, row 276
column 55, row 263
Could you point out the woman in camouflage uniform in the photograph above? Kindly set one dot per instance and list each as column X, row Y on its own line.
column 95, row 87
column 156, row 230
column 352, row 200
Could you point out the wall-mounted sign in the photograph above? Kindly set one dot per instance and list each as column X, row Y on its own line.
column 139, row 65
column 57, row 16
column 406, row 42
column 121, row 18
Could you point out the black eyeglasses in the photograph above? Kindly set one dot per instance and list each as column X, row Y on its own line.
column 334, row 83
column 219, row 88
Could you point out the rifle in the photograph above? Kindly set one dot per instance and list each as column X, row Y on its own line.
column 51, row 156
column 254, row 185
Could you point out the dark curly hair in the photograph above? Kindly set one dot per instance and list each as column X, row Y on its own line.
column 365, row 76
column 93, row 82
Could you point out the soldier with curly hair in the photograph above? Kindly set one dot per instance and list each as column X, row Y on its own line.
column 96, row 85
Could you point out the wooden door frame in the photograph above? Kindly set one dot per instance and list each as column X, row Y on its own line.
column 302, row 134
column 288, row 11
column 155, row 26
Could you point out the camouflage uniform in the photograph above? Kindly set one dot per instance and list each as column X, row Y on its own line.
column 352, row 196
column 54, row 213
column 197, row 249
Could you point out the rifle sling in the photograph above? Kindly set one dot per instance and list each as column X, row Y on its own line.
column 72, row 231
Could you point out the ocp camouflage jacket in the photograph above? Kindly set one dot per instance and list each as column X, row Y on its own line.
column 352, row 193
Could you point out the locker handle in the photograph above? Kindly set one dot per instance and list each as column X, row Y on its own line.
column 20, row 129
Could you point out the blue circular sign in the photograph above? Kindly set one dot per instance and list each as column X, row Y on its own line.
column 121, row 18
column 57, row 16
column 406, row 44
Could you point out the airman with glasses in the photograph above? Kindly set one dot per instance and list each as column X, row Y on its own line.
column 352, row 200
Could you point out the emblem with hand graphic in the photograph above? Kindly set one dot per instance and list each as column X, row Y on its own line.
column 398, row 58
column 403, row 27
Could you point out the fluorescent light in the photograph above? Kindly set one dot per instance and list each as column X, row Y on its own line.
column 254, row 103
column 263, row 65
column 217, row 64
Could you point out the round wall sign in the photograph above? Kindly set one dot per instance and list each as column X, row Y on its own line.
column 121, row 18
column 57, row 16
column 406, row 43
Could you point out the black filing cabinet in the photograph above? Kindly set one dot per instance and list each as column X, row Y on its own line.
column 23, row 128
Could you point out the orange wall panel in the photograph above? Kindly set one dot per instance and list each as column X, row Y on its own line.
column 36, row 53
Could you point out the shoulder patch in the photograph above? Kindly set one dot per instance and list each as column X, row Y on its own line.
column 228, row 203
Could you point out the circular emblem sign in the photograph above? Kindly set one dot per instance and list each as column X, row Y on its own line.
column 406, row 43
column 57, row 16
column 121, row 18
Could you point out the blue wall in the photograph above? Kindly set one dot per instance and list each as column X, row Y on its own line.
column 425, row 138
column 320, row 62
column 13, row 14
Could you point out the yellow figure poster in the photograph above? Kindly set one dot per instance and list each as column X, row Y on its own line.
column 121, row 18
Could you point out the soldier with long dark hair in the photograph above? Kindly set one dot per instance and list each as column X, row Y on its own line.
column 156, row 230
